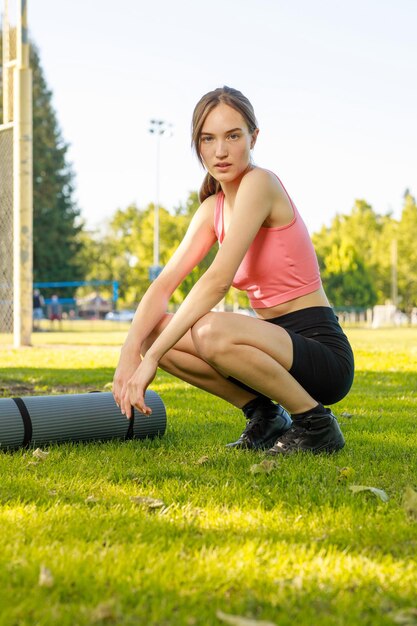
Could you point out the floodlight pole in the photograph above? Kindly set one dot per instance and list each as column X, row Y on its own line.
column 158, row 128
column 394, row 277
column 23, row 186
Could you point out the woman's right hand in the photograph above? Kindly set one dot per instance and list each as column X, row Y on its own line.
column 128, row 363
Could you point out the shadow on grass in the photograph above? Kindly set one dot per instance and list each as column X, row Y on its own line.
column 52, row 380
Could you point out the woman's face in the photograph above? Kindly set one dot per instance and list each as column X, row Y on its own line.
column 225, row 143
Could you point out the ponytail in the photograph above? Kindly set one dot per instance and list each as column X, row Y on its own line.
column 209, row 187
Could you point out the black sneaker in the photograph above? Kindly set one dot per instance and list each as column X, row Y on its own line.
column 315, row 433
column 266, row 423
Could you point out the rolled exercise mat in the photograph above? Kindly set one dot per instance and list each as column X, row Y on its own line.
column 36, row 420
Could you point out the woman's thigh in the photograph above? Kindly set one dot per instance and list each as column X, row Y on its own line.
column 217, row 332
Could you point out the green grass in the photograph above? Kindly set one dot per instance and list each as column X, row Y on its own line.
column 293, row 546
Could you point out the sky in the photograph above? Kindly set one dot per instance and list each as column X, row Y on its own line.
column 333, row 84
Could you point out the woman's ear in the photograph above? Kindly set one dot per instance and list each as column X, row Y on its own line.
column 254, row 138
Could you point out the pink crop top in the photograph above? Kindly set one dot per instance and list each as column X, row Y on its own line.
column 280, row 264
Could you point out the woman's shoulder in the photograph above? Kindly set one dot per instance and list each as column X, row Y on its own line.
column 262, row 182
column 208, row 205
column 261, row 176
column 206, row 210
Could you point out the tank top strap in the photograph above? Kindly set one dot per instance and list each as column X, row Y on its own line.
column 218, row 216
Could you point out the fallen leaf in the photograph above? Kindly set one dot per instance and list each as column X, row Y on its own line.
column 104, row 612
column 40, row 454
column 237, row 620
column 91, row 499
column 150, row 503
column 265, row 467
column 380, row 493
column 345, row 473
column 202, row 460
column 410, row 502
column 45, row 577
column 407, row 617
column 346, row 414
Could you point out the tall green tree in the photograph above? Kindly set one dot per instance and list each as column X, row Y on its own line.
column 348, row 281
column 406, row 236
column 56, row 225
column 350, row 253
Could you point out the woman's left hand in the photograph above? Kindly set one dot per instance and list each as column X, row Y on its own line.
column 136, row 387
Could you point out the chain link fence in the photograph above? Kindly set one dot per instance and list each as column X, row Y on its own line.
column 8, row 59
column 6, row 230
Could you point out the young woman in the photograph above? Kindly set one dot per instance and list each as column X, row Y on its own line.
column 293, row 352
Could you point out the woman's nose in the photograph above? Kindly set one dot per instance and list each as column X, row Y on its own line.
column 221, row 149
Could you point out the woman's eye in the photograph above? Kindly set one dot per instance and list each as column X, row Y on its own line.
column 206, row 139
column 234, row 136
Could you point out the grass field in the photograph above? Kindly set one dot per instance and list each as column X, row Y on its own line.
column 286, row 543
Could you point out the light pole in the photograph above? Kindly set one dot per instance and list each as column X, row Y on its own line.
column 157, row 128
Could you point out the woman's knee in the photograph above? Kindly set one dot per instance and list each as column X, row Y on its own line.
column 209, row 337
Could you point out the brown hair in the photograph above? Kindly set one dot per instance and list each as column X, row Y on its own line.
column 225, row 95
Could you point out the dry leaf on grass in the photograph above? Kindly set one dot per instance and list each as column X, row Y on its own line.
column 237, row 620
column 40, row 454
column 410, row 502
column 202, row 460
column 346, row 414
column 45, row 577
column 345, row 473
column 380, row 493
column 149, row 503
column 406, row 617
column 91, row 499
column 265, row 467
column 104, row 612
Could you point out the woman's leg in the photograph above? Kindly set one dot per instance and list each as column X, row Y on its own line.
column 185, row 363
column 261, row 355
column 255, row 353
column 265, row 421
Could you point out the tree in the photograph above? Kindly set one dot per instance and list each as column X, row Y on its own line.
column 56, row 229
column 349, row 252
column 347, row 279
column 124, row 250
column 406, row 235
column 56, row 224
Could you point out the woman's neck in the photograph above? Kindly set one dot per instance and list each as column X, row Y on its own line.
column 230, row 189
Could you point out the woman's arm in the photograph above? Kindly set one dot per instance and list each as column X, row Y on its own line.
column 252, row 206
column 197, row 241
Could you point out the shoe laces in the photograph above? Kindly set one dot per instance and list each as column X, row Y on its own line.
column 291, row 437
column 253, row 425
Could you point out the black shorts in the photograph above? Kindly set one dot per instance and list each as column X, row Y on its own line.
column 323, row 361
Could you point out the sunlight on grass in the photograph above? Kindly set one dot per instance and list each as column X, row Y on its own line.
column 293, row 546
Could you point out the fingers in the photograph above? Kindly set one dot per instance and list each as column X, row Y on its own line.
column 131, row 393
column 133, row 397
column 117, row 390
